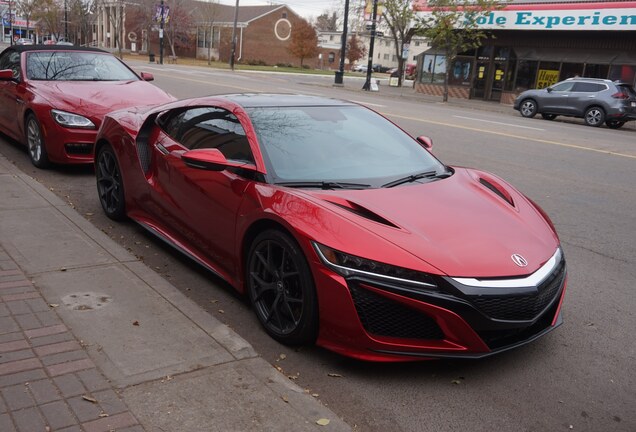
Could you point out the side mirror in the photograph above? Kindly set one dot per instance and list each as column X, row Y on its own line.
column 211, row 160
column 548, row 89
column 425, row 141
column 6, row 75
column 147, row 76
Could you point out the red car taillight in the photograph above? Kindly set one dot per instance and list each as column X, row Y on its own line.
column 620, row 95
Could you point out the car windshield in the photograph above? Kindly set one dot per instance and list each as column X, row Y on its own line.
column 337, row 144
column 76, row 66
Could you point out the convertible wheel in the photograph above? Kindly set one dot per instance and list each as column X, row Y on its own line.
column 614, row 124
column 35, row 143
column 549, row 116
column 281, row 288
column 594, row 116
column 528, row 108
column 110, row 188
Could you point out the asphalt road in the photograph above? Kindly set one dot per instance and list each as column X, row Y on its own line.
column 580, row 377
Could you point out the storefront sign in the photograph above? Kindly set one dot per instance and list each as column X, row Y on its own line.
column 546, row 78
column 574, row 19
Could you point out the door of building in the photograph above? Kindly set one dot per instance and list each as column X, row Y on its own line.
column 480, row 85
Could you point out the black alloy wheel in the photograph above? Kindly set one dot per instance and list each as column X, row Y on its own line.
column 594, row 116
column 528, row 108
column 281, row 288
column 548, row 116
column 35, row 142
column 110, row 188
column 614, row 124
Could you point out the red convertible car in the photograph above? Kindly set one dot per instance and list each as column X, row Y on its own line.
column 338, row 226
column 53, row 98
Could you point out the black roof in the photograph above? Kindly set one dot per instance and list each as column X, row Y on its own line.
column 22, row 48
column 259, row 100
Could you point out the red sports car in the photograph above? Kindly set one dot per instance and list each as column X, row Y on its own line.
column 340, row 228
column 53, row 98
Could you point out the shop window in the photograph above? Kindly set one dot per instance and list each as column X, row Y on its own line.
column 440, row 69
column 526, row 74
column 460, row 72
column 571, row 70
column 511, row 73
column 622, row 73
column 485, row 52
column 548, row 74
column 596, row 71
column 428, row 65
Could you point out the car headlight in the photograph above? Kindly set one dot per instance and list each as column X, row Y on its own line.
column 70, row 120
column 350, row 265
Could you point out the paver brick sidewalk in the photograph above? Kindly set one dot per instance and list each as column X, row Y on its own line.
column 47, row 380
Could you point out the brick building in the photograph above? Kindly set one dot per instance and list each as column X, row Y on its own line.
column 262, row 36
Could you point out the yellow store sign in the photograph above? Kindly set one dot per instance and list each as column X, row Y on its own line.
column 547, row 77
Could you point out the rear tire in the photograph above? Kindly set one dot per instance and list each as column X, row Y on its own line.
column 110, row 186
column 528, row 108
column 614, row 124
column 594, row 116
column 549, row 116
column 35, row 143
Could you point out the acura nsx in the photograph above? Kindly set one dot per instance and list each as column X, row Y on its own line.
column 340, row 228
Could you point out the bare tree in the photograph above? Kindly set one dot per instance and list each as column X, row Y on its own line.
column 49, row 15
column 179, row 24
column 209, row 12
column 27, row 8
column 328, row 21
column 399, row 17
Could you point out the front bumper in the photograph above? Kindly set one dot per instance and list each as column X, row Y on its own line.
column 66, row 145
column 382, row 322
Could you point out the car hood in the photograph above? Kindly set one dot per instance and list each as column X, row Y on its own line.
column 93, row 99
column 468, row 225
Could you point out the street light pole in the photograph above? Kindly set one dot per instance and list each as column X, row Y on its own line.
column 367, row 83
column 339, row 79
column 10, row 23
column 233, row 53
column 161, row 23
column 65, row 22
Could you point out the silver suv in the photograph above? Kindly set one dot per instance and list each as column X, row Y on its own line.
column 596, row 101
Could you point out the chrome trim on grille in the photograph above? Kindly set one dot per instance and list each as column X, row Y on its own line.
column 532, row 280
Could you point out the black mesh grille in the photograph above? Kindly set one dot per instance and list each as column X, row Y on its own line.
column 81, row 149
column 522, row 308
column 144, row 155
column 383, row 317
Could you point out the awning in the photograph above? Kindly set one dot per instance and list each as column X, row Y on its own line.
column 576, row 56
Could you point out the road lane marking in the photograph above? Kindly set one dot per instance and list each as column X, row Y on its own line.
column 367, row 103
column 555, row 143
column 499, row 123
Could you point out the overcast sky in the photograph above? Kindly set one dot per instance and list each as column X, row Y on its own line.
column 304, row 8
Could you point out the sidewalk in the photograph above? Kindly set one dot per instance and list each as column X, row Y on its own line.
column 93, row 340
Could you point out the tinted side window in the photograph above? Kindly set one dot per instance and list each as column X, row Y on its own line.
column 588, row 87
column 208, row 127
column 562, row 87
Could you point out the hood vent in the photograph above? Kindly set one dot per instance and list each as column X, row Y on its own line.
column 363, row 212
column 497, row 190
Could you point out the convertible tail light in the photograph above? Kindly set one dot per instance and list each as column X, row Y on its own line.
column 620, row 95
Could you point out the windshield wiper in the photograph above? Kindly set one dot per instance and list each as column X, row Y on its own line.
column 324, row 185
column 413, row 177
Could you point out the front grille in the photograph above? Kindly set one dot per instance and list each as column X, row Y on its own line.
column 383, row 317
column 526, row 307
column 78, row 148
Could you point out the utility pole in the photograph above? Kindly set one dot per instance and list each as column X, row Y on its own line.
column 367, row 83
column 65, row 22
column 233, row 53
column 339, row 79
column 161, row 23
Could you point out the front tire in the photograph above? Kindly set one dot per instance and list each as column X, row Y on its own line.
column 614, row 124
column 281, row 288
column 528, row 108
column 594, row 116
column 35, row 143
column 110, row 187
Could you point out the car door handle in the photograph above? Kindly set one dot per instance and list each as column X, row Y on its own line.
column 19, row 100
column 162, row 149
